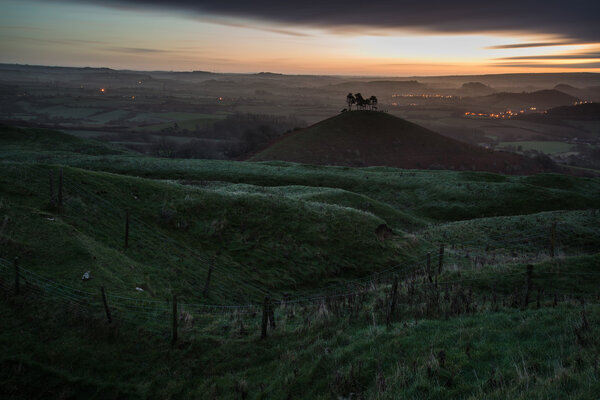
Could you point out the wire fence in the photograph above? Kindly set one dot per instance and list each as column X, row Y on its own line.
column 428, row 278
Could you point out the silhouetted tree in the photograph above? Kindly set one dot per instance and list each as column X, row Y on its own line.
column 373, row 100
column 350, row 100
column 360, row 101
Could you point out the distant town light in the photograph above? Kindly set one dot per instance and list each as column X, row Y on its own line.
column 102, row 90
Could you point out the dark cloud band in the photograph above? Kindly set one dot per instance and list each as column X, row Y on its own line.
column 576, row 19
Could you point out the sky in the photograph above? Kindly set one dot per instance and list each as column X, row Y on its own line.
column 375, row 38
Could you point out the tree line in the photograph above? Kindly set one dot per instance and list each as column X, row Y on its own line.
column 360, row 102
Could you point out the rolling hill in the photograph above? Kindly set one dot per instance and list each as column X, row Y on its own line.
column 541, row 99
column 369, row 138
column 305, row 235
column 579, row 112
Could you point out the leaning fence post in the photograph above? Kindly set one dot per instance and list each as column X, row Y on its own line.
column 265, row 319
column 392, row 303
column 528, row 285
column 210, row 270
column 552, row 239
column 441, row 259
column 106, row 309
column 174, row 338
column 60, row 190
column 17, row 276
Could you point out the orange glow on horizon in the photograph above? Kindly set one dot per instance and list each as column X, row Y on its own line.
column 147, row 41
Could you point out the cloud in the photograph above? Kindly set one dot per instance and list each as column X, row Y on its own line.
column 66, row 42
column 527, row 45
column 136, row 50
column 585, row 65
column 274, row 30
column 575, row 56
column 577, row 19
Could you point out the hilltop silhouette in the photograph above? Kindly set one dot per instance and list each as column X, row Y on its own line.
column 370, row 138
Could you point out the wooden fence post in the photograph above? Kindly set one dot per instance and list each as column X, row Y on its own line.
column 106, row 309
column 60, row 191
column 552, row 239
column 392, row 303
column 207, row 283
column 441, row 259
column 126, row 229
column 271, row 315
column 265, row 319
column 528, row 285
column 17, row 276
column 429, row 267
column 51, row 176
column 174, row 337
column 3, row 227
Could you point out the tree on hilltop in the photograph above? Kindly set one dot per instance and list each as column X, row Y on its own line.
column 350, row 100
column 373, row 101
column 360, row 101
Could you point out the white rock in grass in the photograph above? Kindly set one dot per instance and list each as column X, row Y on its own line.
column 139, row 289
column 86, row 276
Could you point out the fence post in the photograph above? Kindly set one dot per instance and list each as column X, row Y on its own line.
column 60, row 190
column 106, row 309
column 51, row 176
column 17, row 276
column 392, row 303
column 528, row 285
column 265, row 319
column 3, row 227
column 429, row 267
column 210, row 270
column 441, row 259
column 271, row 315
column 126, row 229
column 552, row 239
column 174, row 337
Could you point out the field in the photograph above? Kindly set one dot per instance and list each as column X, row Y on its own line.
column 170, row 114
column 543, row 147
column 211, row 239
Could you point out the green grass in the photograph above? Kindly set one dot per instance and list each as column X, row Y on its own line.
column 183, row 120
column 69, row 112
column 288, row 228
column 542, row 146
column 106, row 117
column 496, row 355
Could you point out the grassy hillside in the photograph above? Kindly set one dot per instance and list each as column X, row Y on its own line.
column 306, row 236
column 542, row 99
column 369, row 138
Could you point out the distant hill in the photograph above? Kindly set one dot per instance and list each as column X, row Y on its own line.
column 581, row 112
column 541, row 99
column 591, row 93
column 569, row 89
column 39, row 140
column 378, row 87
column 476, row 89
column 370, row 138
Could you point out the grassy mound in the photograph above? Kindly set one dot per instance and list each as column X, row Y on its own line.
column 364, row 138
